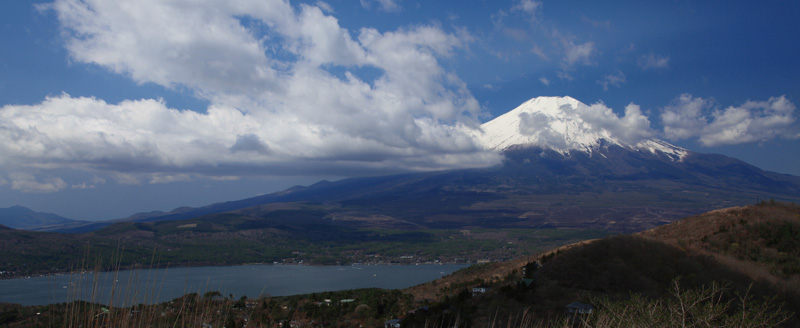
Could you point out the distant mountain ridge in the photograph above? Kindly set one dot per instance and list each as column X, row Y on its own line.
column 19, row 217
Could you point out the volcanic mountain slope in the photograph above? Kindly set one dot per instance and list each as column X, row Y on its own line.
column 561, row 169
column 589, row 178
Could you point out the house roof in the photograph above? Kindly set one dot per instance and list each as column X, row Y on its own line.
column 577, row 305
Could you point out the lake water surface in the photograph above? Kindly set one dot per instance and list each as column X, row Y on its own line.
column 129, row 287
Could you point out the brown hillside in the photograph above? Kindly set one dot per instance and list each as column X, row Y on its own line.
column 482, row 274
column 761, row 241
column 751, row 250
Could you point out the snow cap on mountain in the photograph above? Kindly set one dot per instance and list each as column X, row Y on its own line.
column 565, row 124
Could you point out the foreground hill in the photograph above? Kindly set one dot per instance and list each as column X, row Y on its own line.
column 762, row 241
column 748, row 251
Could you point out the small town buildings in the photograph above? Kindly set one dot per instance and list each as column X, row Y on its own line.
column 477, row 290
column 579, row 308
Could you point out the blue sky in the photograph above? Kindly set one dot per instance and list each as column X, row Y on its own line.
column 113, row 107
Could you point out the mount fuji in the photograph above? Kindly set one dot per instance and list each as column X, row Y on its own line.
column 564, row 124
column 566, row 164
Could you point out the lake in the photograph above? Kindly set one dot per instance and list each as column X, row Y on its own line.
column 130, row 287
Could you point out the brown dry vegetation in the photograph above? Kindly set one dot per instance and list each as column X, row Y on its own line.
column 749, row 250
column 761, row 241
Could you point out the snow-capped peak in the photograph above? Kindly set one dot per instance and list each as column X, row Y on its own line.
column 565, row 124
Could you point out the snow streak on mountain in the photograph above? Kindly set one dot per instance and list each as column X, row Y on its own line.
column 565, row 124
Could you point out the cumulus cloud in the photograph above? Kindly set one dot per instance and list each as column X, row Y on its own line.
column 282, row 86
column 684, row 118
column 651, row 61
column 576, row 125
column 632, row 128
column 249, row 142
column 753, row 121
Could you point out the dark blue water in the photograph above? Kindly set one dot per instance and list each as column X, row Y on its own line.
column 132, row 287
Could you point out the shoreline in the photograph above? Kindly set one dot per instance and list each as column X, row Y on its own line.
column 241, row 279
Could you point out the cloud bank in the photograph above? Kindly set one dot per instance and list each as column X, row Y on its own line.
column 754, row 121
column 291, row 92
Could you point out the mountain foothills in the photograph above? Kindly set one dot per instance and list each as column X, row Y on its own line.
column 296, row 233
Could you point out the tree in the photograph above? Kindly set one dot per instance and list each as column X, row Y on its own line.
column 703, row 307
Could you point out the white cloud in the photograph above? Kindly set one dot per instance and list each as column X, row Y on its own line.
column 605, row 24
column 635, row 126
column 753, row 121
column 383, row 5
column 167, row 178
column 544, row 81
column 571, row 127
column 578, row 53
column 82, row 185
column 529, row 7
column 28, row 183
column 574, row 53
column 498, row 19
column 325, row 7
column 564, row 76
column 684, row 118
column 284, row 92
column 539, row 52
column 612, row 80
column 90, row 184
column 651, row 61
column 632, row 128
